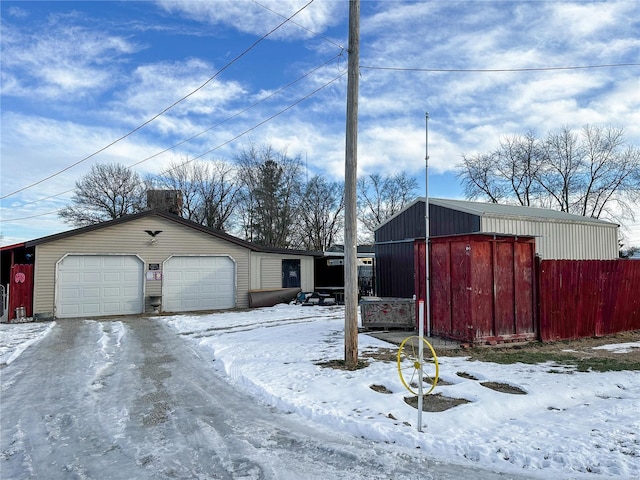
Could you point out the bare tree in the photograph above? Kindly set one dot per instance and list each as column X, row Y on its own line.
column 209, row 191
column 321, row 214
column 519, row 162
column 611, row 171
column 379, row 198
column 559, row 176
column 219, row 190
column 510, row 171
column 271, row 195
column 185, row 177
column 108, row 191
column 593, row 172
column 479, row 178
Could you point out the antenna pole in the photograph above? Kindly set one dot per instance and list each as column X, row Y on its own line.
column 426, row 231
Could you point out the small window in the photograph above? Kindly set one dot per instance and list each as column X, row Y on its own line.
column 290, row 273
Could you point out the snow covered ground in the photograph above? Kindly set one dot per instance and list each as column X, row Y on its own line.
column 568, row 425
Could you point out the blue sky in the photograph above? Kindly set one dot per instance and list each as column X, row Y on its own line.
column 76, row 76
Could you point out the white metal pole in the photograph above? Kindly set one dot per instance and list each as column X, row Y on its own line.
column 426, row 221
column 420, row 360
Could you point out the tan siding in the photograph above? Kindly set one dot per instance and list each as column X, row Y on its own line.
column 267, row 270
column 270, row 272
column 130, row 238
column 307, row 265
column 560, row 240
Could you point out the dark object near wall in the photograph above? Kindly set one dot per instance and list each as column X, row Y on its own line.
column 165, row 200
column 271, row 297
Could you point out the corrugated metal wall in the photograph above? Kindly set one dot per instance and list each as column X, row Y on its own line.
column 394, row 270
column 411, row 223
column 445, row 221
column 581, row 298
column 395, row 274
column 561, row 240
column 555, row 239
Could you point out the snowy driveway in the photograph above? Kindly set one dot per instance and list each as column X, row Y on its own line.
column 129, row 399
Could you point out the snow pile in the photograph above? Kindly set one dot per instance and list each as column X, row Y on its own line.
column 16, row 338
column 567, row 424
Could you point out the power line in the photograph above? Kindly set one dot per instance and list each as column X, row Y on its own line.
column 264, row 121
column 301, row 26
column 42, row 199
column 238, row 57
column 492, row 70
column 28, row 218
column 268, row 119
column 238, row 113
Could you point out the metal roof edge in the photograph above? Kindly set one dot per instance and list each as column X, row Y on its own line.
column 404, row 209
column 11, row 247
column 169, row 216
column 476, row 208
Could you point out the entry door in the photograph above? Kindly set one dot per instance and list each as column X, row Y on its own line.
column 290, row 273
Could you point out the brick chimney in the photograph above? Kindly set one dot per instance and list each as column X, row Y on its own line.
column 166, row 200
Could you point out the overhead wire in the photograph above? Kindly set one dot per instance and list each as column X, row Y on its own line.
column 500, row 70
column 268, row 119
column 186, row 140
column 446, row 70
column 259, row 124
column 226, row 66
column 365, row 67
column 25, row 204
column 28, row 218
column 286, row 20
column 238, row 113
column 300, row 25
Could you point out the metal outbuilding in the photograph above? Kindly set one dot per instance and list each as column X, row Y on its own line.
column 503, row 273
column 558, row 235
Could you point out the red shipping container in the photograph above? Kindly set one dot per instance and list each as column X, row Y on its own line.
column 483, row 287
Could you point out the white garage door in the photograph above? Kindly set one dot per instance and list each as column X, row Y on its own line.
column 198, row 283
column 95, row 285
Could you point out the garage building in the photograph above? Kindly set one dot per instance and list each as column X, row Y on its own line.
column 115, row 267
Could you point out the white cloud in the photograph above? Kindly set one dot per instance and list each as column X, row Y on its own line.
column 65, row 60
column 586, row 19
column 259, row 18
column 153, row 87
column 17, row 12
column 72, row 83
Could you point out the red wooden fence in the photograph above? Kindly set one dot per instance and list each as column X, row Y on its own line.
column 21, row 289
column 587, row 298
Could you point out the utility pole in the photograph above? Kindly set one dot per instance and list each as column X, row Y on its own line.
column 350, row 177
